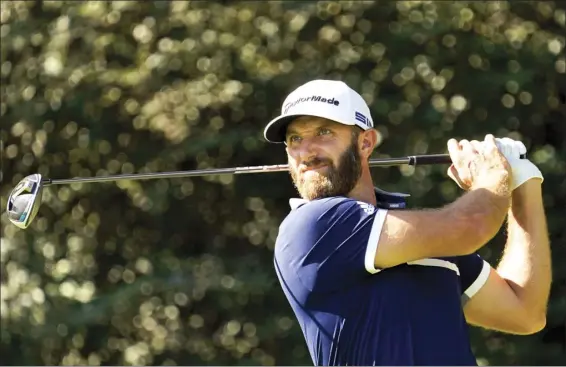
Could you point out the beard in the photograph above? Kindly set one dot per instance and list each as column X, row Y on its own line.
column 338, row 180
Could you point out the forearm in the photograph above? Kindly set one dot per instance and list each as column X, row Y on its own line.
column 482, row 213
column 526, row 262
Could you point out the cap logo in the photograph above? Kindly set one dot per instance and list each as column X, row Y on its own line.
column 332, row 101
column 363, row 119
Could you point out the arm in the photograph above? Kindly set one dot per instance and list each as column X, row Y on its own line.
column 521, row 284
column 458, row 229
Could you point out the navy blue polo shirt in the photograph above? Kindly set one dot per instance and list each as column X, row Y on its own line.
column 350, row 312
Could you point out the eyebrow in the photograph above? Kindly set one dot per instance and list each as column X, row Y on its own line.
column 290, row 131
column 326, row 125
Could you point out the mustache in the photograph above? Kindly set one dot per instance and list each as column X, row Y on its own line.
column 315, row 162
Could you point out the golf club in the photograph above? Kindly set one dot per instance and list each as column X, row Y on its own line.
column 25, row 199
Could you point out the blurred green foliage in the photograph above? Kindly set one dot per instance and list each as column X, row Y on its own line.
column 180, row 271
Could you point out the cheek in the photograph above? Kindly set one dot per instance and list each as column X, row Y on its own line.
column 292, row 155
column 292, row 160
column 333, row 155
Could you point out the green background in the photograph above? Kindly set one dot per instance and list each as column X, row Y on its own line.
column 180, row 271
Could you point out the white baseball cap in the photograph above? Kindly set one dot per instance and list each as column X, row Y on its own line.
column 330, row 99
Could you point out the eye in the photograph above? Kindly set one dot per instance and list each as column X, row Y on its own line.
column 324, row 131
column 293, row 139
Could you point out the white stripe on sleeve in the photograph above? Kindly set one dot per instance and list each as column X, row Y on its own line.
column 436, row 262
column 480, row 280
column 371, row 248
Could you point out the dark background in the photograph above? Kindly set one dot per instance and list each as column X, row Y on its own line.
column 180, row 271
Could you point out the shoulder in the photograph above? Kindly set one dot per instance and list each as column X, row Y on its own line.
column 328, row 214
column 328, row 207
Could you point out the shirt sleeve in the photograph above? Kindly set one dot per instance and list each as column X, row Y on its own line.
column 330, row 244
column 474, row 272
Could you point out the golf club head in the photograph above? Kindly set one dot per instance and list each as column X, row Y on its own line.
column 24, row 201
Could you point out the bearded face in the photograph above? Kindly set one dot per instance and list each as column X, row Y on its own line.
column 334, row 179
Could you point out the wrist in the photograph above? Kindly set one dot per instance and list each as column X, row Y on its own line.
column 530, row 186
column 527, row 192
column 498, row 184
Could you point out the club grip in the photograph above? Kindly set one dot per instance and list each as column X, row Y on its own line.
column 420, row 160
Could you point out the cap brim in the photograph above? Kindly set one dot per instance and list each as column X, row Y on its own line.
column 275, row 130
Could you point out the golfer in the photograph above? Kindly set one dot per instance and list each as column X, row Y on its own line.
column 374, row 283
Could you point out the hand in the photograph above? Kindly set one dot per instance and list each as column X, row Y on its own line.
column 523, row 170
column 479, row 165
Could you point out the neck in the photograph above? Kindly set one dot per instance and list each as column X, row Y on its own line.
column 364, row 190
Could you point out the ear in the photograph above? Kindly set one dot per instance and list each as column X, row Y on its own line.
column 368, row 140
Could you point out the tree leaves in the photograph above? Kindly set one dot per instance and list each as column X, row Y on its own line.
column 180, row 271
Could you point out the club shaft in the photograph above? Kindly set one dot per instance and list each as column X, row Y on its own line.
column 380, row 162
column 175, row 174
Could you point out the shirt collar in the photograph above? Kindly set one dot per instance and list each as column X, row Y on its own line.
column 385, row 199
column 294, row 203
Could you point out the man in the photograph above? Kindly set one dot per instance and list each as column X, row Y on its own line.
column 372, row 283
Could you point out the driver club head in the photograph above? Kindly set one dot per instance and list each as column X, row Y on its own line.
column 24, row 201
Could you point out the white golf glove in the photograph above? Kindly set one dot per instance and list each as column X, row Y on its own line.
column 522, row 169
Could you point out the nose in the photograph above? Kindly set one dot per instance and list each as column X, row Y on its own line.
column 306, row 151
